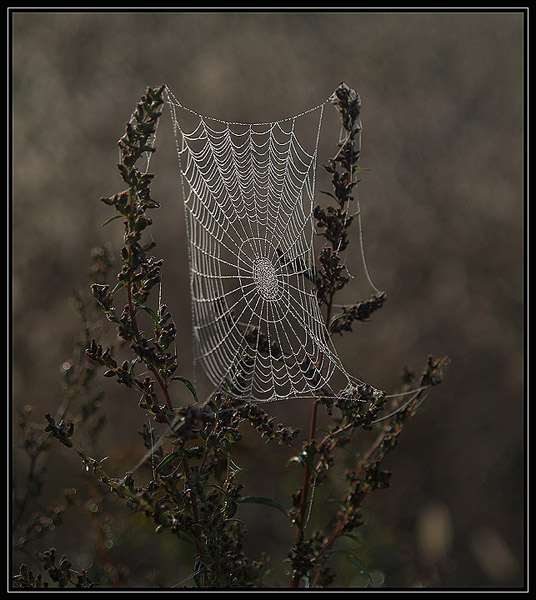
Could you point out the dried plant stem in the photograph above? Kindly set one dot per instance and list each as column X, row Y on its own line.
column 195, row 512
column 161, row 383
column 307, row 471
column 132, row 311
column 306, row 486
column 329, row 285
column 374, row 456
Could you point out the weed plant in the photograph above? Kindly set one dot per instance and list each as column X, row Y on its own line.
column 194, row 491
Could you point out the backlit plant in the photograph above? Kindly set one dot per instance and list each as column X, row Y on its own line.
column 195, row 491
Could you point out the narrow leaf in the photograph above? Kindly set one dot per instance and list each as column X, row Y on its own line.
column 152, row 314
column 188, row 384
column 111, row 219
column 264, row 501
column 167, row 460
column 305, row 460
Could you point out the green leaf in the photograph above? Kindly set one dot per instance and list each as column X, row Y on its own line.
column 354, row 560
column 117, row 288
column 336, row 318
column 352, row 537
column 305, row 459
column 358, row 564
column 264, row 501
column 188, row 384
column 166, row 461
column 152, row 314
column 111, row 219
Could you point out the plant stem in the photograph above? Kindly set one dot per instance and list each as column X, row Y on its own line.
column 132, row 311
column 306, row 485
column 162, row 384
column 348, row 165
column 307, row 471
column 195, row 512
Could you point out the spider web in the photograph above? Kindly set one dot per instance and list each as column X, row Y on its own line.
column 248, row 192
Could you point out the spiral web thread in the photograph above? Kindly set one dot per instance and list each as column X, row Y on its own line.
column 248, row 193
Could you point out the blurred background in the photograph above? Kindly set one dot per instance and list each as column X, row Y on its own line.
column 443, row 215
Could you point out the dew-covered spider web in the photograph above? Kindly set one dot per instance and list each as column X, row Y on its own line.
column 248, row 191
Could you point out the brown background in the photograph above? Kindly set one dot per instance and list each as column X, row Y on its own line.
column 443, row 214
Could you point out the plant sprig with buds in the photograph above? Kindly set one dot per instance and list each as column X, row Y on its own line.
column 193, row 489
